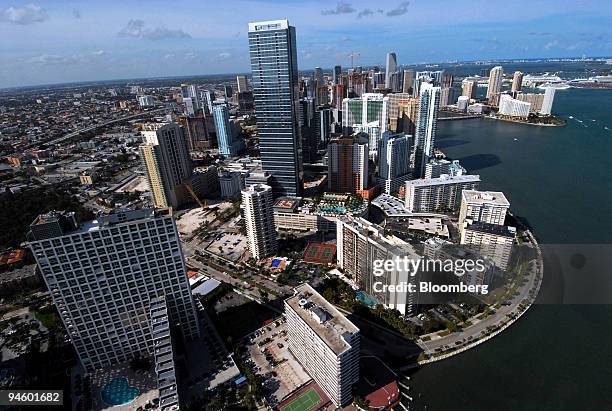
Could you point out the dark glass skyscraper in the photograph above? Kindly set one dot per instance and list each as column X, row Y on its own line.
column 275, row 88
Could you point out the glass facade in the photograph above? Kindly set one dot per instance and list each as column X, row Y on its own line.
column 275, row 89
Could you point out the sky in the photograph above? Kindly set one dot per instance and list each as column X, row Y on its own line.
column 57, row 41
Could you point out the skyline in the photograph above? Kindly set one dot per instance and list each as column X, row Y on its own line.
column 58, row 42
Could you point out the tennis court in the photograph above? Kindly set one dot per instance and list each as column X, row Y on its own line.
column 318, row 253
column 305, row 402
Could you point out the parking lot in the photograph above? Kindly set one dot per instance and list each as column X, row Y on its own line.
column 273, row 361
column 229, row 245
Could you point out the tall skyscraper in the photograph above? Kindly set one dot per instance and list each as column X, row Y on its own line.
column 407, row 114
column 190, row 92
column 324, row 342
column 517, row 81
column 469, row 88
column 395, row 99
column 318, row 76
column 370, row 111
column 257, row 203
column 227, row 132
column 275, row 86
column 243, row 84
column 440, row 194
column 408, row 82
column 393, row 160
column 390, row 68
column 549, row 98
column 104, row 274
column 429, row 104
column 347, row 165
column 496, row 75
column 336, row 74
column 167, row 163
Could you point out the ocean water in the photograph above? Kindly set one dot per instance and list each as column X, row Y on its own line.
column 557, row 357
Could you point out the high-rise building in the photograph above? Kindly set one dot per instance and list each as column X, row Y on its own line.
column 228, row 91
column 391, row 67
column 347, row 164
column 104, row 274
column 496, row 76
column 195, row 131
column 437, row 167
column 440, row 194
column 491, row 240
column 231, row 183
column 429, row 104
column 394, row 100
column 447, row 96
column 517, row 81
column 446, row 79
column 512, row 107
column 408, row 82
column 358, row 244
column 488, row 207
column 407, row 114
column 393, row 161
column 469, row 89
column 167, row 163
column 227, row 131
column 257, row 203
column 190, row 92
column 324, row 342
column 272, row 47
column 318, row 76
column 243, row 84
column 371, row 109
column 336, row 74
column 549, row 98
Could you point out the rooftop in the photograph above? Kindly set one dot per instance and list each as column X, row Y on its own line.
column 495, row 229
column 322, row 317
column 444, row 179
column 485, row 197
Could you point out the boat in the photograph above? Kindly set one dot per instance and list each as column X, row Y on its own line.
column 556, row 86
column 516, row 139
column 571, row 116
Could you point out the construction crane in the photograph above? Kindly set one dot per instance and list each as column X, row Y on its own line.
column 352, row 55
column 189, row 188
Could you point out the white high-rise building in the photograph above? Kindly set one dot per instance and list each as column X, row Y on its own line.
column 393, row 160
column 549, row 98
column 437, row 167
column 517, row 81
column 371, row 110
column 391, row 68
column 512, row 107
column 146, row 101
column 258, row 204
column 496, row 76
column 103, row 275
column 324, row 342
column 440, row 194
column 488, row 207
column 429, row 104
column 359, row 243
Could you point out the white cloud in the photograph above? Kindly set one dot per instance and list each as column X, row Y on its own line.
column 28, row 14
column 99, row 52
column 136, row 28
column 224, row 56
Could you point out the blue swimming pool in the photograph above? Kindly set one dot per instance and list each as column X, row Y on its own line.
column 366, row 299
column 119, row 392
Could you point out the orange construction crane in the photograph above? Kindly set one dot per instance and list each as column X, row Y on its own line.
column 195, row 196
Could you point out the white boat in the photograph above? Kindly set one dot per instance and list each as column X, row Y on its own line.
column 556, row 86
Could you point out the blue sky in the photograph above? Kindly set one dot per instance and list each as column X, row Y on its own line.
column 61, row 41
